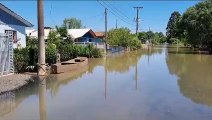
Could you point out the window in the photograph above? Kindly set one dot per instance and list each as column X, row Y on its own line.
column 12, row 34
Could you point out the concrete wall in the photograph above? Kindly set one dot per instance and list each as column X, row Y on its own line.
column 7, row 22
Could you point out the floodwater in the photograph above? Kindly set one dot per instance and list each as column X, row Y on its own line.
column 156, row 84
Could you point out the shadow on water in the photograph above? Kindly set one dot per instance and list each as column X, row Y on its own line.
column 194, row 75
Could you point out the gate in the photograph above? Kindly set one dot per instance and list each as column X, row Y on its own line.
column 6, row 54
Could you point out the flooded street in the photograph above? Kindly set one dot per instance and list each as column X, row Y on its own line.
column 156, row 84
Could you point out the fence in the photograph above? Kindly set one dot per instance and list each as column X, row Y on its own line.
column 114, row 49
column 6, row 54
column 99, row 45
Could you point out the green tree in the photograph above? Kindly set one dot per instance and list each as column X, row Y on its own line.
column 122, row 37
column 62, row 31
column 142, row 36
column 72, row 23
column 54, row 38
column 172, row 29
column 196, row 25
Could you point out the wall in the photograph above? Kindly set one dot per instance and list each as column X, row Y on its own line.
column 8, row 22
column 20, row 33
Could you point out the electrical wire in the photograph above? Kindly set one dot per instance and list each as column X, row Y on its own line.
column 106, row 6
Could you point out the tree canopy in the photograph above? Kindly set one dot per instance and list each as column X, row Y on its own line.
column 72, row 23
column 155, row 38
column 123, row 37
column 171, row 29
column 195, row 25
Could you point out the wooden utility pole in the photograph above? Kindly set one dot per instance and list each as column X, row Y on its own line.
column 137, row 18
column 41, row 42
column 106, row 29
column 116, row 24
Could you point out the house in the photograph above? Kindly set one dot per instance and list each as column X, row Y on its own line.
column 81, row 35
column 14, row 26
column 33, row 33
column 84, row 37
column 100, row 35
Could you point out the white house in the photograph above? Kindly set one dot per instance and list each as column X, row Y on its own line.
column 33, row 33
column 13, row 25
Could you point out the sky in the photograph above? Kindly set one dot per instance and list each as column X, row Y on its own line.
column 154, row 15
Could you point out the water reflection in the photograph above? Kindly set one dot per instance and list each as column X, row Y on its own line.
column 7, row 103
column 84, row 83
column 194, row 74
column 42, row 98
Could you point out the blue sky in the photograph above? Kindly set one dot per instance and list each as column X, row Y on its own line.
column 154, row 15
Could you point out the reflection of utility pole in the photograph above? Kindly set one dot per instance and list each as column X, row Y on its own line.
column 136, row 76
column 137, row 18
column 41, row 42
column 106, row 30
column 150, row 39
column 42, row 98
column 148, row 56
column 105, row 77
column 177, row 45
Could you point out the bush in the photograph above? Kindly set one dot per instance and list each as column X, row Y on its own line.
column 134, row 43
column 29, row 55
column 21, row 59
column 70, row 51
column 123, row 37
column 51, row 54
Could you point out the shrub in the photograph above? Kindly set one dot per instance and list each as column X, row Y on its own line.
column 51, row 54
column 21, row 59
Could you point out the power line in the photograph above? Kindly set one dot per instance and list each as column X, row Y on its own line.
column 119, row 11
column 94, row 16
column 105, row 6
column 115, row 13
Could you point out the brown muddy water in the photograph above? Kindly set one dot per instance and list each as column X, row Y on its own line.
column 156, row 84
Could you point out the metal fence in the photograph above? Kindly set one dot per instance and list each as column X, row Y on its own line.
column 6, row 54
column 99, row 45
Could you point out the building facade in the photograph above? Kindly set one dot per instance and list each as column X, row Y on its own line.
column 13, row 25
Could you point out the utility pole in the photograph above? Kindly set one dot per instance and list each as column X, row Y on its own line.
column 137, row 18
column 106, row 29
column 116, row 24
column 41, row 42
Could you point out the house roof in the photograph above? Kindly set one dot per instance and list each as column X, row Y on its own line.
column 99, row 34
column 77, row 33
column 34, row 33
column 16, row 16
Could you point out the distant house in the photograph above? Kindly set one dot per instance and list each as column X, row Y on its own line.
column 13, row 25
column 100, row 35
column 33, row 33
column 84, row 37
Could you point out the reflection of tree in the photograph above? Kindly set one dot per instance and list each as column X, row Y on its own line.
column 194, row 72
column 122, row 63
column 115, row 63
